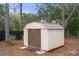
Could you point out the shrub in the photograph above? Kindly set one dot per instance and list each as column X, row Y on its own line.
column 11, row 39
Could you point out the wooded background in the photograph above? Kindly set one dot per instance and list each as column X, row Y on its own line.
column 65, row 14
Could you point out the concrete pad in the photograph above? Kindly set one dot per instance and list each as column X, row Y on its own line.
column 40, row 51
column 73, row 51
column 23, row 47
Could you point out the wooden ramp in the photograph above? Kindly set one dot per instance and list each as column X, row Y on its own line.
column 32, row 49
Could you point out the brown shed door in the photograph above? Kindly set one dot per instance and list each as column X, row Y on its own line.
column 34, row 38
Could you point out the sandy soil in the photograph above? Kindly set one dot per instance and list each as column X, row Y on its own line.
column 71, row 48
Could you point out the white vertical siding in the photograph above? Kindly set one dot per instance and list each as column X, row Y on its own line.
column 44, row 39
column 50, row 37
column 26, row 37
column 55, row 38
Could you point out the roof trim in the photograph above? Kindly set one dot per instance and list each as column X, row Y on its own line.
column 48, row 26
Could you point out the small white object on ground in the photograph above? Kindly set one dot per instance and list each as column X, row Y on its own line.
column 23, row 47
column 73, row 52
column 40, row 51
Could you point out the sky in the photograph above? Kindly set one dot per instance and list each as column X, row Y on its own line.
column 27, row 8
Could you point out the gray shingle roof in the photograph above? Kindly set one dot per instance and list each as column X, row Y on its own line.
column 52, row 26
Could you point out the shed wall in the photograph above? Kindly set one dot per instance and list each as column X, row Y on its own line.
column 55, row 38
column 44, row 39
column 25, row 37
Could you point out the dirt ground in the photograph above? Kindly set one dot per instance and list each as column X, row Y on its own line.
column 71, row 48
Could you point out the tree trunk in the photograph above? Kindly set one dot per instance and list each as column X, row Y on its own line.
column 21, row 16
column 62, row 15
column 6, row 21
column 21, row 23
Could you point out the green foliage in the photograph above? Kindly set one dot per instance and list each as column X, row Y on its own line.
column 11, row 39
column 1, row 16
column 27, row 18
column 1, row 9
column 14, row 22
column 48, row 12
column 73, row 26
column 51, row 12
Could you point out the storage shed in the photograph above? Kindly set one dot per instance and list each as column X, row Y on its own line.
column 44, row 36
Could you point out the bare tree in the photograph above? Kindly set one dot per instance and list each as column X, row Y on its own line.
column 6, row 21
column 66, row 21
column 63, row 21
column 16, row 6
